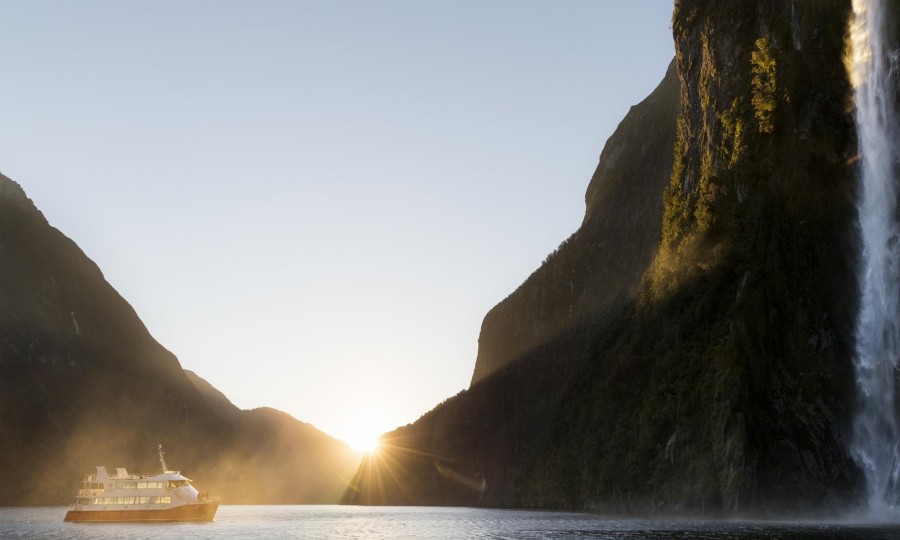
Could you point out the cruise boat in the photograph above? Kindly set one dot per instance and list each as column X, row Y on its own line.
column 125, row 496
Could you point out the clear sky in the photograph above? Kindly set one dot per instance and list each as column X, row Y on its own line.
column 314, row 204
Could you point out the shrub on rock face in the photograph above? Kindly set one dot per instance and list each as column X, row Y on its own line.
column 765, row 85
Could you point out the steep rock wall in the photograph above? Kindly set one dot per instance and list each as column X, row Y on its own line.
column 476, row 447
column 598, row 269
column 725, row 385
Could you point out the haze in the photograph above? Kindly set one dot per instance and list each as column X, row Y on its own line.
column 314, row 204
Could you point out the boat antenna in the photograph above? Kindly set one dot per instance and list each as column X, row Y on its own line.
column 162, row 460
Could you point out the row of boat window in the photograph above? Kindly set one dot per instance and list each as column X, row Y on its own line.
column 125, row 500
column 139, row 485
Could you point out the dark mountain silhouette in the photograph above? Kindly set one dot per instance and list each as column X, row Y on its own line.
column 281, row 459
column 468, row 450
column 689, row 348
column 83, row 383
column 598, row 269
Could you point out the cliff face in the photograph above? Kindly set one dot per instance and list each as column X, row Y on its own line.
column 737, row 357
column 756, row 260
column 597, row 270
column 716, row 374
column 83, row 383
column 476, row 447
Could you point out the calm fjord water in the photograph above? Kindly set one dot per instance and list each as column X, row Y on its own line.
column 419, row 522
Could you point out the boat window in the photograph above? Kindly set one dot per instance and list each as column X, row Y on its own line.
column 177, row 483
column 143, row 500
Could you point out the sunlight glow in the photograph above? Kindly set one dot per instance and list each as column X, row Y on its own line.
column 388, row 471
column 370, row 445
column 363, row 433
column 364, row 442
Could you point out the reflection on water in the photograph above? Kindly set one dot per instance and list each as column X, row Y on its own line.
column 418, row 522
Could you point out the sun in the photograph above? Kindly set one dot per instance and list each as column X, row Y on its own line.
column 364, row 442
column 362, row 435
column 369, row 446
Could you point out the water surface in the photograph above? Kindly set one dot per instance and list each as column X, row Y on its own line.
column 420, row 522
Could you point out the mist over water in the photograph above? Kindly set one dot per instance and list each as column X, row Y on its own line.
column 874, row 71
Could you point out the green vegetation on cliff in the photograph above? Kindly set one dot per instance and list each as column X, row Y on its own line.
column 765, row 85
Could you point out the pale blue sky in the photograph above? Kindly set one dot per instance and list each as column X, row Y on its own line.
column 313, row 204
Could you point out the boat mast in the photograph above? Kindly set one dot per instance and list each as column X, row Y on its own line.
column 162, row 460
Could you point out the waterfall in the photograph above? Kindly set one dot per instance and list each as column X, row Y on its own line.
column 873, row 70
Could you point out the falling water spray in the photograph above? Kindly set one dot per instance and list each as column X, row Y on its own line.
column 873, row 67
